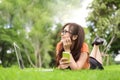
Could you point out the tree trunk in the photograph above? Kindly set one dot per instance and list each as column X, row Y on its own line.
column 38, row 59
column 106, row 49
column 107, row 57
column 29, row 59
column 2, row 53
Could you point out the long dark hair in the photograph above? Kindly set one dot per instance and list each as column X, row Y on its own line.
column 75, row 29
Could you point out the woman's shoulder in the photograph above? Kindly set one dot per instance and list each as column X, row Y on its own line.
column 85, row 44
column 58, row 46
column 85, row 47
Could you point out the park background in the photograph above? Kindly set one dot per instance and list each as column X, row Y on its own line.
column 30, row 29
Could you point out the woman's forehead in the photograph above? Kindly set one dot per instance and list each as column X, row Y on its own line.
column 66, row 27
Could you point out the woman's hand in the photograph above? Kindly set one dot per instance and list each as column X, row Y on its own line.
column 64, row 63
column 67, row 43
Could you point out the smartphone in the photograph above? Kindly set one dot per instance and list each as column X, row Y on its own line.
column 66, row 55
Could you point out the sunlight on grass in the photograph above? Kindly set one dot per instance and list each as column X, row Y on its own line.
column 113, row 67
column 109, row 73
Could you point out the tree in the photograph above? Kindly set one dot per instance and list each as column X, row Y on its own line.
column 21, row 18
column 13, row 29
column 104, row 20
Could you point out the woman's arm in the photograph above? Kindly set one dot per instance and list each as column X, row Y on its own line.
column 80, row 63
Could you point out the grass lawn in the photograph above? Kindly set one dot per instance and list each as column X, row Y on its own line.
column 109, row 73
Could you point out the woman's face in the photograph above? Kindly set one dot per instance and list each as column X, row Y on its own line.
column 65, row 33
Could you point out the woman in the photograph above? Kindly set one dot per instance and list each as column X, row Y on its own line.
column 72, row 41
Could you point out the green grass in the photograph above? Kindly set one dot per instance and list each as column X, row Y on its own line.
column 109, row 73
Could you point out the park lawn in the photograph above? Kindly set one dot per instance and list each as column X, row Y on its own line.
column 109, row 73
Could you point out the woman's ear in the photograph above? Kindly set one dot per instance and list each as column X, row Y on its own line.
column 74, row 37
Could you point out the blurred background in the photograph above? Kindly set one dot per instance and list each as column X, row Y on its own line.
column 30, row 29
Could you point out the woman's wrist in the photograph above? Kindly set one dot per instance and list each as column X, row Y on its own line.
column 67, row 51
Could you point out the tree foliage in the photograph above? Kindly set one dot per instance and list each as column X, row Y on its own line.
column 13, row 29
column 104, row 20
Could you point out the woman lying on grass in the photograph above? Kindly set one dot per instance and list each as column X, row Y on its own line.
column 72, row 42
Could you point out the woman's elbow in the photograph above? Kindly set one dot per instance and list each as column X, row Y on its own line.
column 77, row 68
